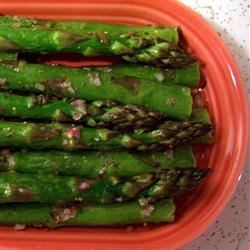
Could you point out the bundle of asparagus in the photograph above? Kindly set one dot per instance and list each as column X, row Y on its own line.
column 97, row 145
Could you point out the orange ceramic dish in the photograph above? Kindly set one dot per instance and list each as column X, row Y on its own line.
column 227, row 106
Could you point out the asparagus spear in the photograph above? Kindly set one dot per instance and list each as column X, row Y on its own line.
column 59, row 136
column 102, row 34
column 92, row 164
column 41, row 188
column 4, row 56
column 202, row 115
column 170, row 183
column 175, row 183
column 93, row 114
column 32, row 214
column 162, row 54
column 174, row 101
column 187, row 76
column 135, row 44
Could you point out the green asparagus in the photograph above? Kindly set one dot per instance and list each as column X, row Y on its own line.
column 41, row 188
column 70, row 137
column 32, row 214
column 202, row 115
column 187, row 76
column 92, row 164
column 170, row 183
column 94, row 114
column 174, row 101
column 5, row 56
column 148, row 44
column 175, row 183
column 163, row 55
column 131, row 36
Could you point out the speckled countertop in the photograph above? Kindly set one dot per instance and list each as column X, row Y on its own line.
column 231, row 18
